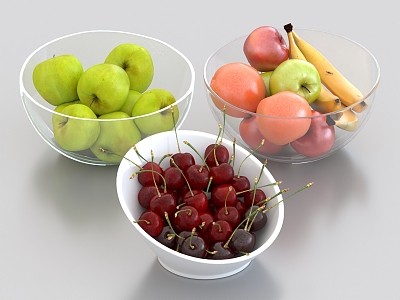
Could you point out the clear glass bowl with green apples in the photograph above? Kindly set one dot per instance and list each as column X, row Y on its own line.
column 93, row 95
column 272, row 124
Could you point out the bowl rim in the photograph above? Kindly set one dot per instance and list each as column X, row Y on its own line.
column 227, row 104
column 189, row 91
column 235, row 260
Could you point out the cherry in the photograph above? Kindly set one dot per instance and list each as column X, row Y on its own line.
column 220, row 231
column 256, row 221
column 242, row 241
column 182, row 160
column 181, row 238
column 215, row 154
column 146, row 193
column 196, row 198
column 241, row 207
column 187, row 217
column 166, row 237
column 174, row 179
column 224, row 195
column 195, row 246
column 197, row 176
column 165, row 202
column 206, row 220
column 258, row 196
column 241, row 184
column 153, row 170
column 150, row 222
column 219, row 251
column 229, row 214
column 222, row 173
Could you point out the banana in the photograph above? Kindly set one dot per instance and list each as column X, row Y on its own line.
column 326, row 102
column 348, row 121
column 330, row 76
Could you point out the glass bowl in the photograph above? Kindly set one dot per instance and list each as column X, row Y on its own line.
column 172, row 72
column 355, row 62
column 172, row 260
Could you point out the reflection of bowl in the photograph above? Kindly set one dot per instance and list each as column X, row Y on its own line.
column 352, row 60
column 172, row 72
column 178, row 263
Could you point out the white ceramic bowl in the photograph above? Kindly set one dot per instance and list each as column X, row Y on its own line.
column 172, row 72
column 173, row 261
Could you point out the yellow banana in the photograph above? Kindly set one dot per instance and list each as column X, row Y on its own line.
column 330, row 76
column 326, row 102
column 348, row 121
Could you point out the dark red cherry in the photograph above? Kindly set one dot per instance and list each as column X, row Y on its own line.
column 220, row 231
column 166, row 202
column 216, row 154
column 166, row 237
column 241, row 207
column 182, row 160
column 146, row 193
column 224, row 195
column 243, row 241
column 240, row 183
column 146, row 177
column 229, row 214
column 206, row 220
column 196, row 198
column 222, row 173
column 150, row 222
column 187, row 217
column 194, row 246
column 219, row 251
column 258, row 196
column 198, row 177
column 174, row 179
column 182, row 235
column 257, row 219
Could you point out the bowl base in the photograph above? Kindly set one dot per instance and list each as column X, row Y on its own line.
column 198, row 276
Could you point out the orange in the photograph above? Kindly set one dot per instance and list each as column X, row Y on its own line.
column 286, row 117
column 240, row 85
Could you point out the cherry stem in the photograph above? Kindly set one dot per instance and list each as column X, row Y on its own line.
column 164, row 157
column 183, row 210
column 146, row 221
column 219, row 226
column 226, row 198
column 252, row 201
column 250, row 154
column 191, row 236
column 209, row 184
column 299, row 190
column 233, row 156
column 261, row 186
column 110, row 152
column 184, row 177
column 138, row 153
column 223, row 127
column 194, row 149
column 170, row 225
column 159, row 174
column 176, row 134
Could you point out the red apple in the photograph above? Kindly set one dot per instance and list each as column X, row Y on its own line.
column 250, row 134
column 265, row 48
column 319, row 138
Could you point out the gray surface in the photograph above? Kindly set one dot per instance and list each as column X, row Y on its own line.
column 63, row 234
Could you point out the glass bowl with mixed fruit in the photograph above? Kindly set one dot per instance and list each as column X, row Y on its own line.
column 205, row 206
column 303, row 93
column 104, row 89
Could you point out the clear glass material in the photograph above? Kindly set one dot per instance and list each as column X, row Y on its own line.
column 172, row 72
column 355, row 62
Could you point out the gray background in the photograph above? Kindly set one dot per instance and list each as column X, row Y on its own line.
column 63, row 234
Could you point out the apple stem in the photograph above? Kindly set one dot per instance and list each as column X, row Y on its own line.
column 299, row 190
column 110, row 152
column 176, row 134
column 138, row 154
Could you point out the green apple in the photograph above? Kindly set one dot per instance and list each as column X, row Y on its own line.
column 136, row 61
column 130, row 102
column 56, row 78
column 116, row 136
column 266, row 76
column 59, row 108
column 298, row 76
column 104, row 88
column 148, row 104
column 75, row 134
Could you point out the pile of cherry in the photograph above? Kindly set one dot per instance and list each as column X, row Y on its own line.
column 202, row 210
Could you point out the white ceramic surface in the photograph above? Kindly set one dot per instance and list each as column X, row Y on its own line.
column 178, row 263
